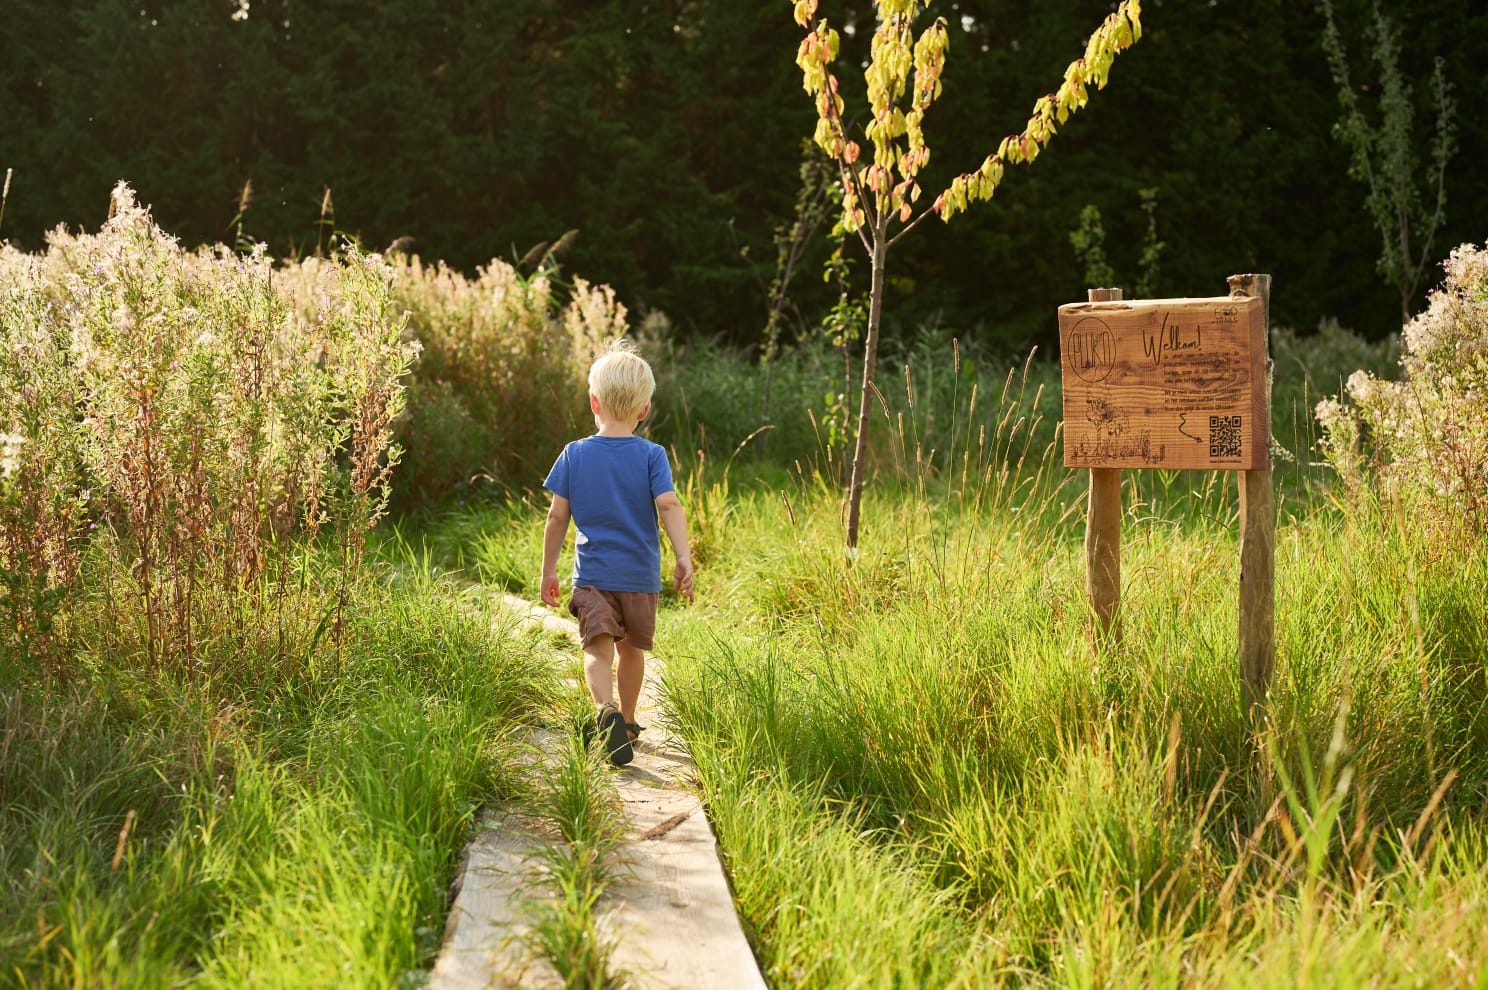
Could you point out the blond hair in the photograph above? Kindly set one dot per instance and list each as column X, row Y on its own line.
column 622, row 381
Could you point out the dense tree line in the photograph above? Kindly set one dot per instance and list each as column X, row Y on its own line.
column 669, row 133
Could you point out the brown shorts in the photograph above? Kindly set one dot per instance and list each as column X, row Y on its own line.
column 627, row 615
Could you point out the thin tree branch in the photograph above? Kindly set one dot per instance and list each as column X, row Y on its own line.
column 848, row 177
column 1443, row 152
column 849, row 174
column 912, row 224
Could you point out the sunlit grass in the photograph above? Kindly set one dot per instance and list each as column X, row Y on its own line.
column 1097, row 817
column 575, row 796
column 920, row 771
column 923, row 773
column 1105, row 814
column 295, row 825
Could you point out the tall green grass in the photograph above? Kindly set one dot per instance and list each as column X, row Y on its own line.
column 922, row 772
column 575, row 797
column 1048, row 812
column 294, row 822
column 1085, row 818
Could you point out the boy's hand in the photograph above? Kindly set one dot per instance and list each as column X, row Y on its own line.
column 554, row 530
column 682, row 580
column 550, row 590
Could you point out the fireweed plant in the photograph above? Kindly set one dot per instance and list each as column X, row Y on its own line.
column 173, row 418
column 1424, row 439
column 242, row 741
column 499, row 384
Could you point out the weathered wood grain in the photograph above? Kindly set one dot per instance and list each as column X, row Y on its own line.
column 1103, row 535
column 1103, row 551
column 1165, row 383
column 1257, row 537
column 487, row 937
column 670, row 911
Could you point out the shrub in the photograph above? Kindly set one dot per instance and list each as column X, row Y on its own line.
column 43, row 507
column 499, row 386
column 1425, row 438
column 1319, row 364
column 196, row 409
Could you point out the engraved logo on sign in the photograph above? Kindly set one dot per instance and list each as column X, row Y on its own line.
column 1092, row 349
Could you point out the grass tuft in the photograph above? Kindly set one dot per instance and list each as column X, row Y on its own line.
column 290, row 822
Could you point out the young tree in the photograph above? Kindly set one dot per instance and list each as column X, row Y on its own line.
column 880, row 196
column 1384, row 157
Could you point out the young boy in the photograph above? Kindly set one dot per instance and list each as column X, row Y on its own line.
column 613, row 485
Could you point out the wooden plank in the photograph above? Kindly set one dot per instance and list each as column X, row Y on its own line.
column 1165, row 383
column 487, row 941
column 1257, row 538
column 669, row 908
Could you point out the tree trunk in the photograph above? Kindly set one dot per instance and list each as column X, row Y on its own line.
column 870, row 360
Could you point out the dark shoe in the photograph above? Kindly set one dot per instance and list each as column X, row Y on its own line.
column 633, row 730
column 616, row 739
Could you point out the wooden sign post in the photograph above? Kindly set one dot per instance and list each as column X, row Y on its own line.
column 1257, row 535
column 1175, row 384
column 1102, row 515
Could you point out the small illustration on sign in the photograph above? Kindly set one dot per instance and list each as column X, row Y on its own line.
column 1092, row 349
column 1108, row 421
column 1183, row 422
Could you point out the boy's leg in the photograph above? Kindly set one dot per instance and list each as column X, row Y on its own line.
column 599, row 657
column 630, row 672
column 609, row 723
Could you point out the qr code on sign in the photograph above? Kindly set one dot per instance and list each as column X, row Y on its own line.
column 1224, row 436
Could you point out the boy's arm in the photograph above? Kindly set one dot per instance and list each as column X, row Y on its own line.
column 674, row 520
column 554, row 531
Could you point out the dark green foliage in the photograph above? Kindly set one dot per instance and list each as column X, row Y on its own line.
column 1384, row 157
column 668, row 133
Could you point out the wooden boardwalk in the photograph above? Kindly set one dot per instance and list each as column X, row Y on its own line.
column 669, row 909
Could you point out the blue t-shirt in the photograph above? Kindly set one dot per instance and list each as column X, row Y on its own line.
column 612, row 484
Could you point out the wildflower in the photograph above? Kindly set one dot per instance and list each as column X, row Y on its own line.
column 1430, row 429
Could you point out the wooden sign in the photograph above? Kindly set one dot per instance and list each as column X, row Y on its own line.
column 1165, row 383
